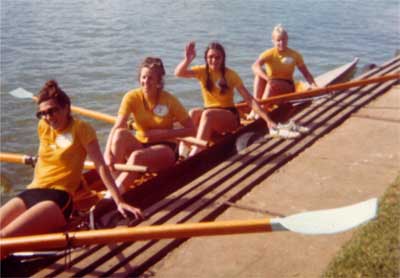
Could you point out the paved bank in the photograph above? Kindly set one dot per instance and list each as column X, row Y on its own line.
column 354, row 162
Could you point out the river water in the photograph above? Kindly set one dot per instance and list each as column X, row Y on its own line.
column 93, row 48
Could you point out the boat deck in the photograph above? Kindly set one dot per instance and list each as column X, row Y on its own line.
column 213, row 192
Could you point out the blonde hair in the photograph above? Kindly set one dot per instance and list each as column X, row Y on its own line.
column 279, row 30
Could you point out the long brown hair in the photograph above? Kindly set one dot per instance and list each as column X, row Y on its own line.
column 222, row 82
column 51, row 90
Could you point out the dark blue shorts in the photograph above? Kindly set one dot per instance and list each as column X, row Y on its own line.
column 290, row 82
column 231, row 109
column 62, row 198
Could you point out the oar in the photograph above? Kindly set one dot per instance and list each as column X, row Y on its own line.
column 195, row 141
column 22, row 93
column 18, row 158
column 312, row 223
column 31, row 160
column 321, row 91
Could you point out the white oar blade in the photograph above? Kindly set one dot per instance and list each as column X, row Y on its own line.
column 21, row 93
column 333, row 220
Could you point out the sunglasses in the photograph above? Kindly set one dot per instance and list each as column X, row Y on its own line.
column 49, row 112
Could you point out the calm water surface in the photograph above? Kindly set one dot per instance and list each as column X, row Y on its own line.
column 93, row 48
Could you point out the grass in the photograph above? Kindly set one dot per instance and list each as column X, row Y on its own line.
column 374, row 250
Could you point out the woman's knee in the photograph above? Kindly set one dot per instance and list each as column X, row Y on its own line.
column 155, row 157
column 208, row 115
column 120, row 135
column 124, row 142
column 135, row 157
column 259, row 87
column 214, row 117
column 195, row 114
column 220, row 120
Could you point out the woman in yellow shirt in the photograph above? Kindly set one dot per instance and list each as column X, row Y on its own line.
column 154, row 112
column 217, row 83
column 64, row 143
column 280, row 63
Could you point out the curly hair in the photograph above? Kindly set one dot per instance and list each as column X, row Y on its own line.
column 51, row 90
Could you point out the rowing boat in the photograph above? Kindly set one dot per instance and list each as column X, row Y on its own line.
column 187, row 169
column 153, row 187
column 168, row 181
column 163, row 183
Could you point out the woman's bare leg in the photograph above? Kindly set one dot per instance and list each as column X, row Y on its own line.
column 123, row 144
column 195, row 114
column 10, row 211
column 157, row 157
column 259, row 87
column 214, row 121
column 279, row 87
column 44, row 217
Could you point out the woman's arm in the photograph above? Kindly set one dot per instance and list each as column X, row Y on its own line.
column 253, row 104
column 308, row 76
column 182, row 69
column 258, row 70
column 162, row 134
column 121, row 122
column 94, row 153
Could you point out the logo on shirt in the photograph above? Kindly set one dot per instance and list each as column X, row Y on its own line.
column 287, row 60
column 160, row 110
column 64, row 140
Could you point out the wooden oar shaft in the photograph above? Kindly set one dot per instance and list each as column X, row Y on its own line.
column 89, row 113
column 15, row 158
column 320, row 91
column 111, row 119
column 93, row 114
column 131, row 168
column 29, row 160
column 194, row 141
column 120, row 167
column 74, row 239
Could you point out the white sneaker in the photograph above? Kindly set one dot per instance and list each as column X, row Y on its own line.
column 291, row 125
column 252, row 116
column 283, row 132
column 107, row 195
column 183, row 150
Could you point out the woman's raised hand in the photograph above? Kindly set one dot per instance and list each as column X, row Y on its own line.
column 190, row 51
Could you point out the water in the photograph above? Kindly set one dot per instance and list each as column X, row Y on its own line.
column 93, row 48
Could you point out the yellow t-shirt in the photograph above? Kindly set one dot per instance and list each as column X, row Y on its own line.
column 215, row 98
column 281, row 65
column 163, row 115
column 62, row 155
